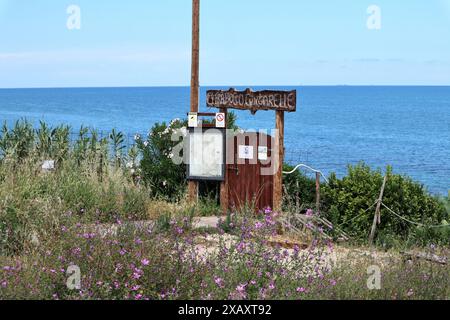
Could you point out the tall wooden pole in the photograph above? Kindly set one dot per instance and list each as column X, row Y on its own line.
column 195, row 83
column 278, row 179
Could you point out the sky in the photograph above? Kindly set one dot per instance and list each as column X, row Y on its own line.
column 251, row 42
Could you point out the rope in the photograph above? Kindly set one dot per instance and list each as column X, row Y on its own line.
column 376, row 202
column 307, row 167
column 358, row 216
column 412, row 222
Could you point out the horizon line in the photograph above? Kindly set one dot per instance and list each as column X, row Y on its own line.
column 231, row 86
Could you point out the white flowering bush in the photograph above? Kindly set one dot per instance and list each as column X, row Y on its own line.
column 164, row 177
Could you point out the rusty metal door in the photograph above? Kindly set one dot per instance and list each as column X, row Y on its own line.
column 250, row 181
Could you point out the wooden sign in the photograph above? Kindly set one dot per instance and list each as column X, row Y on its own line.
column 253, row 101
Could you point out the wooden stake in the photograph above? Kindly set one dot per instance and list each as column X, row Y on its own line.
column 195, row 83
column 317, row 192
column 224, row 197
column 377, row 217
column 278, row 178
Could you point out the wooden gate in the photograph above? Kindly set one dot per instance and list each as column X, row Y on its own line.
column 250, row 177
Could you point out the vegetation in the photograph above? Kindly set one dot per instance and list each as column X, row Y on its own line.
column 147, row 263
column 349, row 203
column 299, row 190
column 95, row 181
column 346, row 201
column 446, row 202
column 159, row 172
column 94, row 210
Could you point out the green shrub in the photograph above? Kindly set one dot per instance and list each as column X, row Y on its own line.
column 299, row 190
column 346, row 200
column 446, row 202
column 159, row 172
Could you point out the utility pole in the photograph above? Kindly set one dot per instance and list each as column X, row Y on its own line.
column 195, row 83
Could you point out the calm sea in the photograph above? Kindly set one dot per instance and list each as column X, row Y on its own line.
column 406, row 127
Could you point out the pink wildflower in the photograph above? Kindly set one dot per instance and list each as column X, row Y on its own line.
column 242, row 291
column 259, row 225
column 219, row 282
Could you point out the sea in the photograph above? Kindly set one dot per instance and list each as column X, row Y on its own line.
column 334, row 126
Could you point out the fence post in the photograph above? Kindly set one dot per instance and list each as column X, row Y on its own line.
column 377, row 217
column 318, row 192
column 279, row 161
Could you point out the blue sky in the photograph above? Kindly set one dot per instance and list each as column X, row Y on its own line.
column 251, row 42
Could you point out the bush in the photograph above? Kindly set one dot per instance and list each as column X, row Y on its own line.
column 299, row 190
column 346, row 199
column 164, row 178
column 446, row 202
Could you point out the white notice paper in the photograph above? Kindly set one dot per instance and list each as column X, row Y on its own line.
column 193, row 120
column 246, row 152
column 262, row 153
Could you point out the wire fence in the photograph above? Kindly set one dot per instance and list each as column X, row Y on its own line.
column 293, row 157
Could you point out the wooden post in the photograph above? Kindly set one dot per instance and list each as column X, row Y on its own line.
column 278, row 179
column 377, row 217
column 224, row 198
column 195, row 83
column 317, row 192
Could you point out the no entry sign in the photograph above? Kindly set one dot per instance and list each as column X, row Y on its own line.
column 220, row 120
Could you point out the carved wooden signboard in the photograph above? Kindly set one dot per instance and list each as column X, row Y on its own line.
column 253, row 101
column 279, row 101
